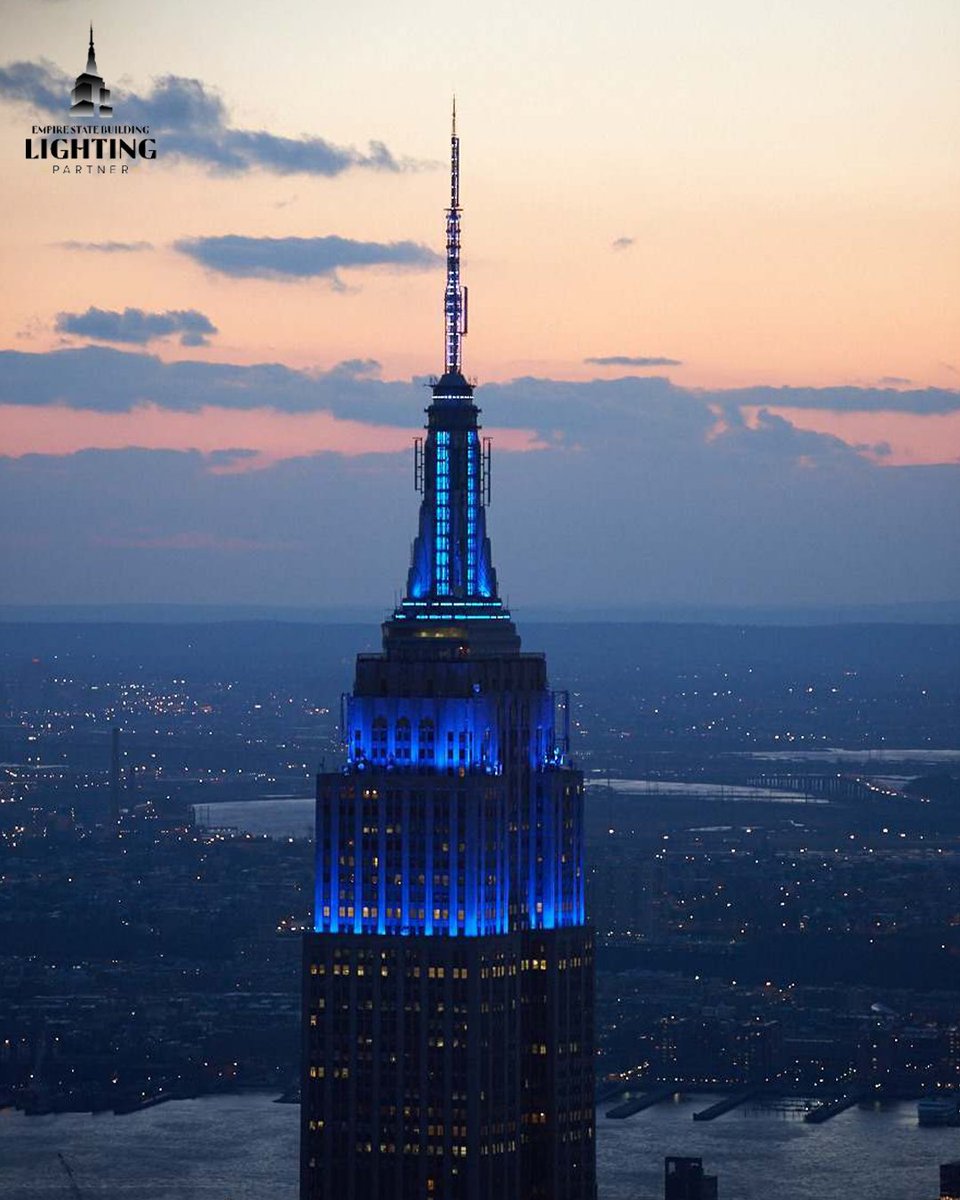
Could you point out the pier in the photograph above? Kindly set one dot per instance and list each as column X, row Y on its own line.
column 607, row 1091
column 727, row 1104
column 831, row 1108
column 638, row 1103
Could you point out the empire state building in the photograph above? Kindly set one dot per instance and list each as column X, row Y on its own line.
column 448, row 983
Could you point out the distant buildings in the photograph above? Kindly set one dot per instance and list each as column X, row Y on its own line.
column 950, row 1181
column 683, row 1179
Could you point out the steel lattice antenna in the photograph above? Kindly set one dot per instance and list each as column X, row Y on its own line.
column 455, row 296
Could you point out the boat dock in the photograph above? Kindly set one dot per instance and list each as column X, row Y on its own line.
column 831, row 1108
column 637, row 1104
column 727, row 1104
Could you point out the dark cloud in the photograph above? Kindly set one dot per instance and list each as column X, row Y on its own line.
column 774, row 438
column 623, row 243
column 107, row 247
column 920, row 401
column 110, row 380
column 193, row 124
column 41, row 85
column 894, row 381
column 137, row 327
column 114, row 380
column 356, row 368
column 302, row 258
column 579, row 414
column 628, row 360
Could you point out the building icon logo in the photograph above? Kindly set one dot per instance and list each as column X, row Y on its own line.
column 90, row 96
column 93, row 145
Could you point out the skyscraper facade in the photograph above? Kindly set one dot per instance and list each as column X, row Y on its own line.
column 684, row 1179
column 448, row 983
column 950, row 1181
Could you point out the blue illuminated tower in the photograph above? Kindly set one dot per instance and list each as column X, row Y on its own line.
column 448, row 985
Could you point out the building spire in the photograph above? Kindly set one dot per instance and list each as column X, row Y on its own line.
column 451, row 575
column 455, row 296
column 91, row 55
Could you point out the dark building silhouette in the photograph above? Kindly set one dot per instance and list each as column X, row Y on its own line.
column 683, row 1179
column 90, row 96
column 448, row 986
column 950, row 1181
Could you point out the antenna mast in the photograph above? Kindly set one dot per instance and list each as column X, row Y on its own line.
column 455, row 296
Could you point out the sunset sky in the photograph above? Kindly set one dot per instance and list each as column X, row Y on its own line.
column 713, row 253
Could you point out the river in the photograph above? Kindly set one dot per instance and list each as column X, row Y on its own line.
column 292, row 816
column 245, row 1148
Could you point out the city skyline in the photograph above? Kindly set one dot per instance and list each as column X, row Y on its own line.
column 714, row 256
column 462, row 935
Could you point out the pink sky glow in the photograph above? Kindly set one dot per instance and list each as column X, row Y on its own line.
column 271, row 435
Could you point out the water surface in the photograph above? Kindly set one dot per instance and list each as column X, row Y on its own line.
column 246, row 1148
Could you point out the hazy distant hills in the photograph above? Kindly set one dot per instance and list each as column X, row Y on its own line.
column 605, row 655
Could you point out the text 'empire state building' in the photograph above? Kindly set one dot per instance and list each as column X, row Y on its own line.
column 448, row 986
